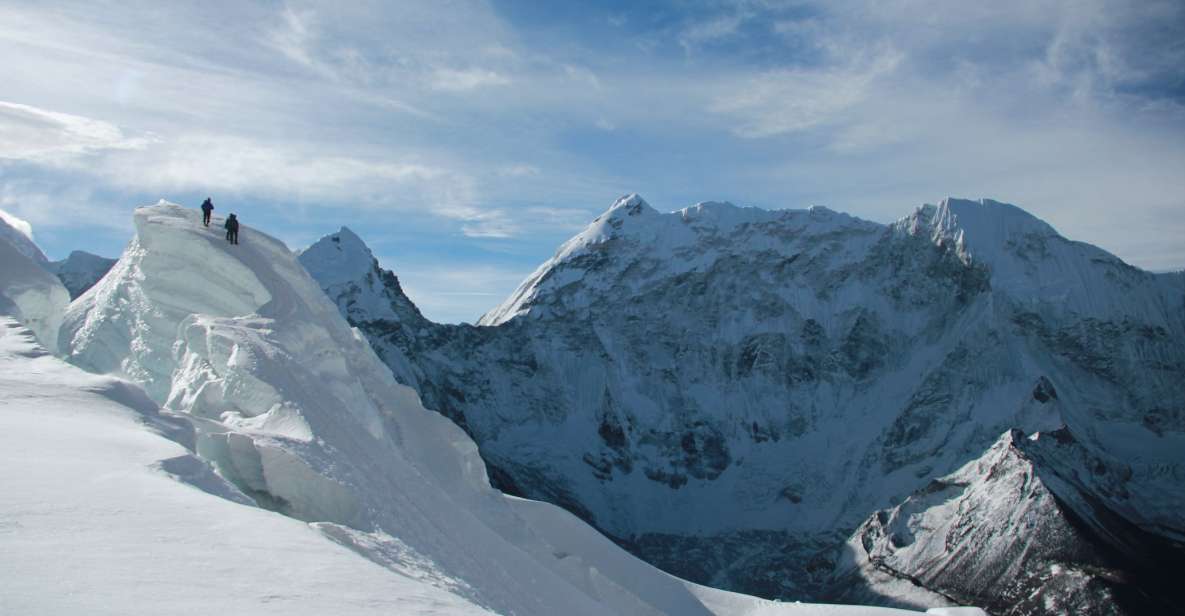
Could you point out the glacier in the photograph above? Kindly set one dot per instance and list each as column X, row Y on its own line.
column 206, row 432
column 731, row 392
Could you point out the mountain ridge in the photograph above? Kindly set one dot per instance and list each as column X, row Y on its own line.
column 795, row 325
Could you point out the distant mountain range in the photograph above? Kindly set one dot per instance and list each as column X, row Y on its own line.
column 961, row 406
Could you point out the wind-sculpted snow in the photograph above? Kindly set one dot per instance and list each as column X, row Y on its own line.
column 28, row 292
column 18, row 234
column 729, row 392
column 99, row 515
column 292, row 407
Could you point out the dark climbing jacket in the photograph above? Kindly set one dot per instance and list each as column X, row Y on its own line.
column 207, row 206
column 232, row 223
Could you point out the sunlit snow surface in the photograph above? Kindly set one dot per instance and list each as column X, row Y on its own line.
column 103, row 512
column 29, row 292
column 287, row 472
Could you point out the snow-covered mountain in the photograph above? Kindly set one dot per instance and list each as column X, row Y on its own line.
column 1018, row 532
column 80, row 271
column 231, row 444
column 731, row 392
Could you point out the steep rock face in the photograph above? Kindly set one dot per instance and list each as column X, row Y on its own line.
column 80, row 271
column 1010, row 533
column 729, row 391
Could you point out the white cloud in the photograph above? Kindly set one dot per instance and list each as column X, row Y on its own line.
column 870, row 107
column 494, row 226
column 454, row 80
column 520, row 170
column 240, row 164
column 34, row 134
column 866, row 136
column 582, row 75
column 791, row 100
column 572, row 219
column 59, row 205
column 294, row 38
column 710, row 30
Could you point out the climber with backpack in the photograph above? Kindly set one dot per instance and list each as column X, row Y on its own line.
column 207, row 207
column 232, row 229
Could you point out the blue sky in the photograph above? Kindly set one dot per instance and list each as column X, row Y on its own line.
column 465, row 140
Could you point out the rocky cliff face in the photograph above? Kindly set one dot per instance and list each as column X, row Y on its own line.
column 729, row 392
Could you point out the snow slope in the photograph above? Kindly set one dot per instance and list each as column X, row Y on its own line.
column 730, row 392
column 107, row 511
column 260, row 458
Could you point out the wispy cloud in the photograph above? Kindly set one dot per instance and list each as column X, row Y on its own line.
column 790, row 100
column 713, row 29
column 34, row 134
column 51, row 207
column 519, row 170
column 499, row 132
column 463, row 80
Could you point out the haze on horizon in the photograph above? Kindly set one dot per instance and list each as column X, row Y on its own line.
column 465, row 140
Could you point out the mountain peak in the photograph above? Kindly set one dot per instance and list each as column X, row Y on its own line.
column 338, row 258
column 633, row 204
column 80, row 271
column 982, row 225
column 347, row 235
column 363, row 291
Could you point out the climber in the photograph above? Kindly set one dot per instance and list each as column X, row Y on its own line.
column 232, row 229
column 207, row 207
